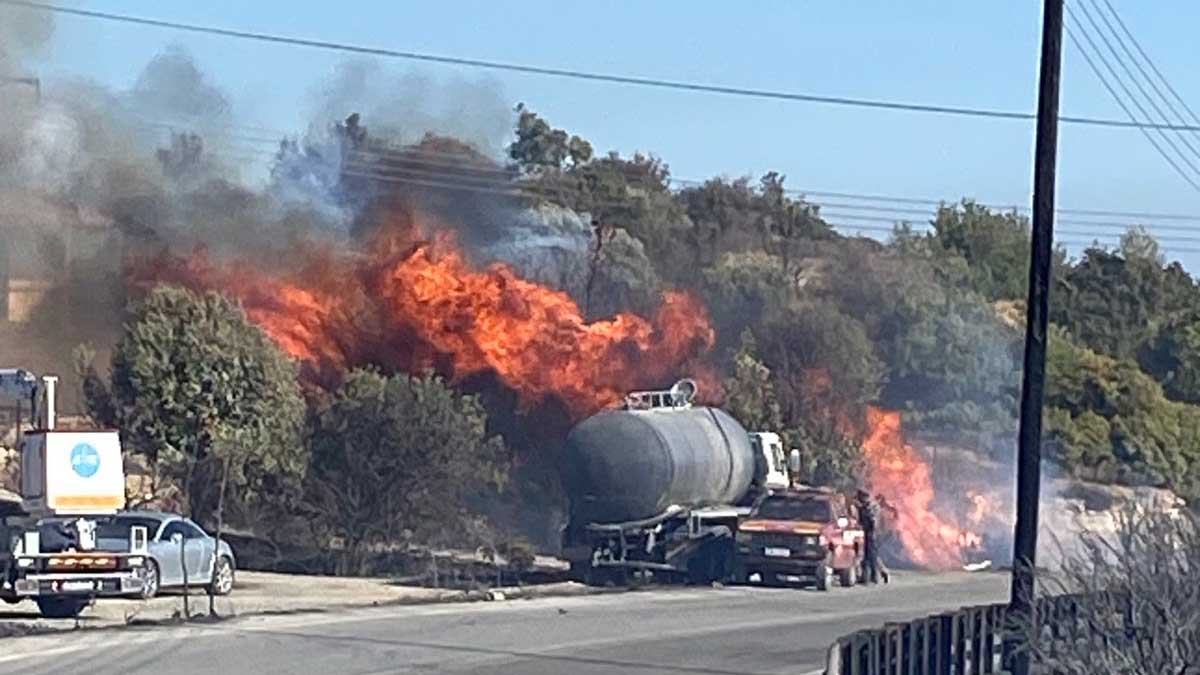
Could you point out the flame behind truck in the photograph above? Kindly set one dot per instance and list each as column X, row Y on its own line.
column 70, row 481
column 659, row 487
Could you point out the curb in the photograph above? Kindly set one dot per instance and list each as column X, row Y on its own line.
column 19, row 628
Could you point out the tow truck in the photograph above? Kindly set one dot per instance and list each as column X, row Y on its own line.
column 804, row 533
column 69, row 481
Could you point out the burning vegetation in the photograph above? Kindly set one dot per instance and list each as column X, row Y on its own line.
column 422, row 306
column 898, row 473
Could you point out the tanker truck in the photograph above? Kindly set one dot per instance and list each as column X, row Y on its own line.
column 657, row 488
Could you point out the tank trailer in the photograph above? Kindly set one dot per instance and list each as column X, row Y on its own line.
column 659, row 486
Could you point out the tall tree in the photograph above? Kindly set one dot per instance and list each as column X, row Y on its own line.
column 995, row 246
column 1112, row 301
column 205, row 395
column 540, row 147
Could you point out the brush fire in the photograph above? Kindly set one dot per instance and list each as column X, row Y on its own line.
column 421, row 306
column 898, row 473
column 413, row 303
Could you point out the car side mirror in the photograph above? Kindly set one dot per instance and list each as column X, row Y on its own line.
column 177, row 538
column 843, row 522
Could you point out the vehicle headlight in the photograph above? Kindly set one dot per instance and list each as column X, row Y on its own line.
column 136, row 561
column 25, row 562
column 822, row 540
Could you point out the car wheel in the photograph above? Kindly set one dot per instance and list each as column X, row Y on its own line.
column 150, row 579
column 223, row 585
column 61, row 607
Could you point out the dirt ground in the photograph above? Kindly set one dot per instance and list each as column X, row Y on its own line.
column 260, row 593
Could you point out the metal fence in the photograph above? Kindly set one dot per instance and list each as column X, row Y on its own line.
column 967, row 641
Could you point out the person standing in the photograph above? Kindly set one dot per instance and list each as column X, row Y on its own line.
column 868, row 519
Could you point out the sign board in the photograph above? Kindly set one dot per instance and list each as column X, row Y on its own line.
column 73, row 472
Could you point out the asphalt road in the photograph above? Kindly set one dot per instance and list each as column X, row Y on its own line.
column 723, row 631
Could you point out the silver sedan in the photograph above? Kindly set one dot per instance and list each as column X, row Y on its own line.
column 173, row 541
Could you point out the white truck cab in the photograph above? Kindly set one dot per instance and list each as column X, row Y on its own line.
column 768, row 449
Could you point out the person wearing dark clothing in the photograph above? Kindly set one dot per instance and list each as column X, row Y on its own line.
column 868, row 519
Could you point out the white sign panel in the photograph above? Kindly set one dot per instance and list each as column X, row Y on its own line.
column 84, row 472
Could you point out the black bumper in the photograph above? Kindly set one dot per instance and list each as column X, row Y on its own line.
column 798, row 567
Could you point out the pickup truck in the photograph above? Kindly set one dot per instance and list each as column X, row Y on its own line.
column 808, row 535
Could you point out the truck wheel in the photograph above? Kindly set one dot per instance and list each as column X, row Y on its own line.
column 580, row 571
column 848, row 577
column 61, row 607
column 740, row 576
column 824, row 578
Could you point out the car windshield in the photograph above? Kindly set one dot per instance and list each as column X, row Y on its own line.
column 120, row 527
column 790, row 508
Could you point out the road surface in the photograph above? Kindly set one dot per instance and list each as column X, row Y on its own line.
column 724, row 631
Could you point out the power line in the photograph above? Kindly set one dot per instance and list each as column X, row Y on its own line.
column 459, row 162
column 1136, row 81
column 1116, row 97
column 444, row 176
column 587, row 75
column 1150, row 62
column 421, row 167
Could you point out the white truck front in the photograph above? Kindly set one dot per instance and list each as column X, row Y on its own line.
column 71, row 483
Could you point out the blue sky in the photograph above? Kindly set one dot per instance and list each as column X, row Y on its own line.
column 979, row 54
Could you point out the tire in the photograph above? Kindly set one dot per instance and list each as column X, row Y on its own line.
column 824, row 578
column 62, row 607
column 225, row 577
column 151, row 579
column 740, row 575
column 848, row 577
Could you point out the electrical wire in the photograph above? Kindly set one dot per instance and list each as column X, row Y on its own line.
column 584, row 75
column 1116, row 97
column 1183, row 137
column 1150, row 62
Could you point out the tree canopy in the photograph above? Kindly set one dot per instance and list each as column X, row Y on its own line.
column 395, row 458
column 194, row 386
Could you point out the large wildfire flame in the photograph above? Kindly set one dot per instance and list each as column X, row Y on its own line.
column 903, row 478
column 422, row 306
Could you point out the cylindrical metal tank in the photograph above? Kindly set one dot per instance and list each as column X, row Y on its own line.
column 624, row 465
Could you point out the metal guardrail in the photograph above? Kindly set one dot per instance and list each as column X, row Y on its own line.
column 967, row 641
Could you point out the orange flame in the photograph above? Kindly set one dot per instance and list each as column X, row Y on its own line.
column 903, row 478
column 425, row 307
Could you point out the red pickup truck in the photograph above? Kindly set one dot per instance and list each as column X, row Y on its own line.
column 807, row 534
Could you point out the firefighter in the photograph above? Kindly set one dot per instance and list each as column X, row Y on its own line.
column 868, row 518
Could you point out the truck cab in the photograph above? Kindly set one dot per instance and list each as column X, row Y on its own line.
column 770, row 458
column 808, row 534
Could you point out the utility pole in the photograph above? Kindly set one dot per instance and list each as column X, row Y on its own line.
column 1033, row 381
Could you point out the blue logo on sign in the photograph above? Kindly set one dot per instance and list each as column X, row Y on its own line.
column 85, row 460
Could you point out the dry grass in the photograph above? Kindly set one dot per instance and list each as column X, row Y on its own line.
column 1139, row 612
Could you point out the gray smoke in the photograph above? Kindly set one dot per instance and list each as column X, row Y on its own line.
column 24, row 33
column 172, row 87
column 403, row 107
column 89, row 175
